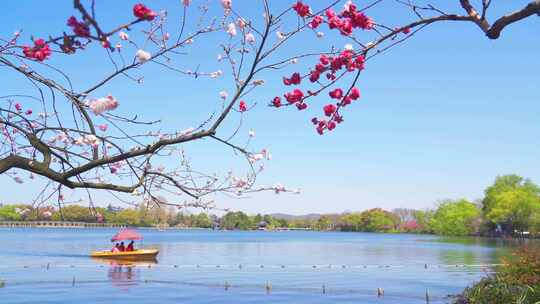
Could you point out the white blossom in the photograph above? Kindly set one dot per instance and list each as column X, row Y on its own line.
column 223, row 95
column 231, row 29
column 123, row 35
column 227, row 4
column 143, row 56
column 250, row 38
column 216, row 74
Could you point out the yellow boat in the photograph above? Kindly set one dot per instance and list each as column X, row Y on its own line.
column 128, row 263
column 135, row 255
column 132, row 255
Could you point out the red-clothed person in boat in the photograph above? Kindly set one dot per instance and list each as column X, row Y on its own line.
column 130, row 246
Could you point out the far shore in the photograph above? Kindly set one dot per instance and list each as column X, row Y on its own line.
column 84, row 225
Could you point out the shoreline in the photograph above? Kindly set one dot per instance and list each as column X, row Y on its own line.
column 84, row 225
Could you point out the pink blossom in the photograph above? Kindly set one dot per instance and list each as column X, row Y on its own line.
column 227, row 4
column 276, row 102
column 250, row 38
column 239, row 182
column 329, row 109
column 355, row 94
column 241, row 23
column 242, row 107
column 103, row 127
column 279, row 188
column 91, row 140
column 336, row 94
column 104, row 104
column 123, row 36
column 231, row 29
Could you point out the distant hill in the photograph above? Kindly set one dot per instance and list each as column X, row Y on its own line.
column 288, row 217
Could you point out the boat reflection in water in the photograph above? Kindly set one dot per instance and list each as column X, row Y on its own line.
column 124, row 274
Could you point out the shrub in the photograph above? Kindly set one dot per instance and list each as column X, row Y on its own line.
column 518, row 281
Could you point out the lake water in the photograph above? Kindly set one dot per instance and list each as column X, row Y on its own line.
column 52, row 266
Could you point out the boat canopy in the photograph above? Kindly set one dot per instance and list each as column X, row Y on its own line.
column 126, row 234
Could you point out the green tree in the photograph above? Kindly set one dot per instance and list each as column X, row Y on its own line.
column 283, row 223
column 236, row 220
column 350, row 222
column 513, row 203
column 506, row 183
column 75, row 213
column 9, row 213
column 455, row 218
column 257, row 218
column 378, row 220
column 518, row 209
column 323, row 223
column 202, row 220
column 423, row 220
column 130, row 217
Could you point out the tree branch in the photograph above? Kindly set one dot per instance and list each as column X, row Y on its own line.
column 495, row 30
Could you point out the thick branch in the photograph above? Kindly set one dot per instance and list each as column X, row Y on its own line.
column 495, row 31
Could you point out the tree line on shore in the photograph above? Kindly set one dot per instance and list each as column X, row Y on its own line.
column 511, row 205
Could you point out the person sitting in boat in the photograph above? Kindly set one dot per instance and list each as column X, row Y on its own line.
column 130, row 246
column 122, row 247
column 115, row 248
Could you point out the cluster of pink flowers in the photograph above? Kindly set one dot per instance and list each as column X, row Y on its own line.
column 19, row 108
column 142, row 12
column 104, row 104
column 331, row 110
column 40, row 51
column 302, row 9
column 276, row 102
column 242, row 107
column 329, row 65
column 115, row 167
column 296, row 97
column 316, row 21
column 295, row 79
column 79, row 28
column 345, row 22
column 411, row 225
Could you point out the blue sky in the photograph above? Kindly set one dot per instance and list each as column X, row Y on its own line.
column 441, row 115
